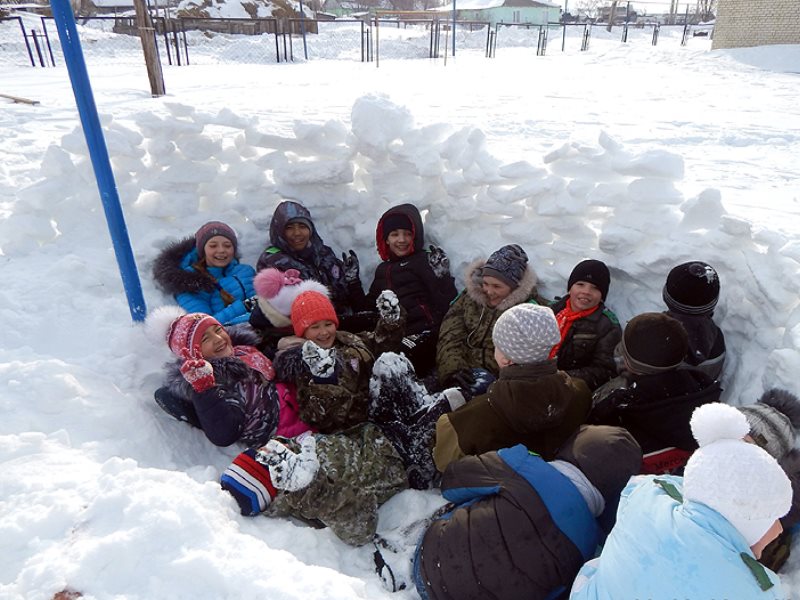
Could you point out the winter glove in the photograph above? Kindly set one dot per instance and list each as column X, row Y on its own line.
column 290, row 471
column 350, row 264
column 197, row 371
column 388, row 306
column 463, row 378
column 321, row 361
column 438, row 261
column 250, row 303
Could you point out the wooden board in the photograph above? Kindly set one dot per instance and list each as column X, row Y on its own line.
column 19, row 100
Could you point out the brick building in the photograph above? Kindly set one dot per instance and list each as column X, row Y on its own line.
column 744, row 23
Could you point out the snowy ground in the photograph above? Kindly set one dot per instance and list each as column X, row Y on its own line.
column 642, row 156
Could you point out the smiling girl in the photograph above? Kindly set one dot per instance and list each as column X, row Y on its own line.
column 204, row 274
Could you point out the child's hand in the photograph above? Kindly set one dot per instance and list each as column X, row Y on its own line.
column 321, row 361
column 250, row 303
column 197, row 371
column 287, row 470
column 350, row 264
column 388, row 306
column 438, row 261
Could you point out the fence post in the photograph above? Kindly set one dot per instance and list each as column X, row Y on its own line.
column 47, row 39
column 145, row 26
column 98, row 152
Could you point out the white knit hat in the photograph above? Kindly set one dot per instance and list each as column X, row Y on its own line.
column 526, row 333
column 277, row 291
column 737, row 479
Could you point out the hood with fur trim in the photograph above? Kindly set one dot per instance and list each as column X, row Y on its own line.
column 174, row 279
column 474, row 286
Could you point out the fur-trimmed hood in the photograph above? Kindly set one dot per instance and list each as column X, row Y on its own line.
column 474, row 280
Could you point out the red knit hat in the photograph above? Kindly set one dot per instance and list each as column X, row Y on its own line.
column 187, row 332
column 310, row 307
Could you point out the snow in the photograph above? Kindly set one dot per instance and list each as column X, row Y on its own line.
column 638, row 155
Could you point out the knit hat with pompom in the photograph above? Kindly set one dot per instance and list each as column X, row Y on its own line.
column 739, row 480
column 277, row 291
column 180, row 330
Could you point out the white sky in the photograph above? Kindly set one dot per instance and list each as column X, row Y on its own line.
column 642, row 156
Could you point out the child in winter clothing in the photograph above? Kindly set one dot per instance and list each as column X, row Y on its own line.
column 339, row 480
column 774, row 421
column 653, row 398
column 296, row 244
column 691, row 293
column 532, row 402
column 512, row 504
column 220, row 382
column 698, row 536
column 421, row 280
column 589, row 330
column 465, row 351
column 204, row 274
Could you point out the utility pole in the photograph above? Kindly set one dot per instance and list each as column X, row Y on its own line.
column 612, row 15
column 145, row 25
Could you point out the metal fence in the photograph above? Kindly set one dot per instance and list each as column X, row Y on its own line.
column 33, row 40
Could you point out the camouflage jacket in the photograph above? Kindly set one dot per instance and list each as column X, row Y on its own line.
column 359, row 471
column 465, row 337
column 334, row 406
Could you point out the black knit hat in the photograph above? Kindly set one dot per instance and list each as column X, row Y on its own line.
column 507, row 264
column 607, row 456
column 394, row 221
column 654, row 342
column 591, row 271
column 692, row 288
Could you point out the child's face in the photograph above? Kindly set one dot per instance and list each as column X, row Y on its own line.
column 584, row 295
column 219, row 251
column 322, row 333
column 496, row 291
column 216, row 343
column 772, row 533
column 501, row 359
column 297, row 235
column 400, row 242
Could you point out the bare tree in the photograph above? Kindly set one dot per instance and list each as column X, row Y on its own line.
column 706, row 9
column 588, row 8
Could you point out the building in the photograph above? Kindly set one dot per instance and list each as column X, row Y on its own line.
column 531, row 12
column 745, row 23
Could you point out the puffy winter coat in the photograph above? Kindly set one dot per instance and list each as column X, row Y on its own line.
column 176, row 270
column 535, row 405
column 243, row 406
column 425, row 297
column 706, row 343
column 342, row 402
column 465, row 336
column 317, row 261
column 521, row 531
column 664, row 547
column 588, row 350
column 359, row 471
column 656, row 408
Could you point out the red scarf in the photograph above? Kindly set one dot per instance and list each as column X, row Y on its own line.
column 255, row 360
column 565, row 319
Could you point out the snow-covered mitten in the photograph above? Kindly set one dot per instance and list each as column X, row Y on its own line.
column 395, row 392
column 439, row 262
column 321, row 361
column 290, row 471
column 197, row 371
column 351, row 267
column 388, row 306
column 249, row 482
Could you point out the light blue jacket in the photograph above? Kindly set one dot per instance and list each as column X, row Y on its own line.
column 665, row 548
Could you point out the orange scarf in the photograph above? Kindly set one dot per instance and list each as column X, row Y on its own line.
column 565, row 319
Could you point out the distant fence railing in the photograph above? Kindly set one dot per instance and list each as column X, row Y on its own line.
column 188, row 41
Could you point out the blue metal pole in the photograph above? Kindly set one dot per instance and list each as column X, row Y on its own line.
column 454, row 28
column 90, row 121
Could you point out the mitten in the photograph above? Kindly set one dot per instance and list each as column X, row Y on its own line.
column 321, row 361
column 388, row 306
column 462, row 378
column 290, row 471
column 350, row 264
column 197, row 371
column 250, row 303
column 437, row 259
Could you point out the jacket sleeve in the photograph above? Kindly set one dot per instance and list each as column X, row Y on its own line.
column 450, row 354
column 447, row 448
column 468, row 479
column 193, row 302
column 441, row 291
column 221, row 414
column 330, row 407
column 233, row 313
column 602, row 366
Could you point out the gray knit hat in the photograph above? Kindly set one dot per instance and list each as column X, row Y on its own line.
column 526, row 333
column 507, row 264
column 774, row 421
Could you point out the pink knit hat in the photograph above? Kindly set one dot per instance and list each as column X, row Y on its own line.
column 186, row 332
column 277, row 291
